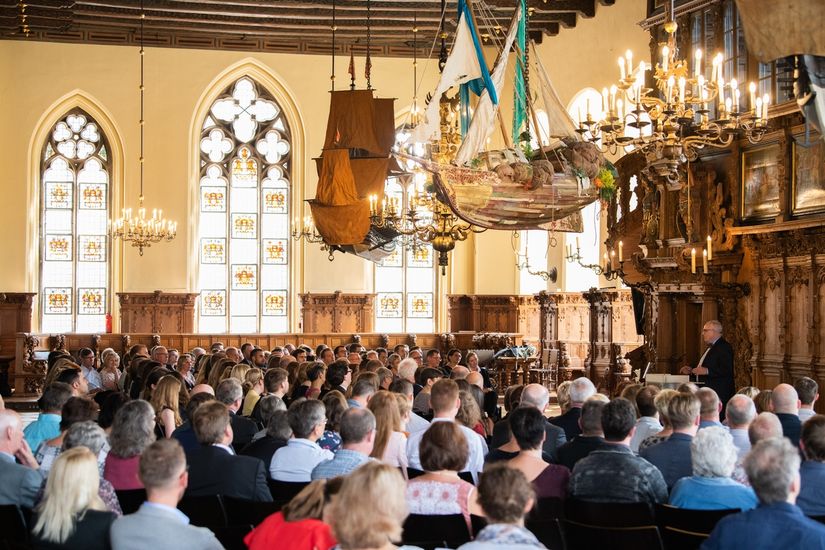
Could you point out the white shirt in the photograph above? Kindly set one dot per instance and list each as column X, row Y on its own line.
column 805, row 414
column 296, row 461
column 645, row 427
column 417, row 423
column 476, row 444
column 92, row 377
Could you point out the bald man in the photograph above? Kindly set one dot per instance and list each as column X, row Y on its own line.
column 475, row 379
column 536, row 396
column 202, row 388
column 19, row 483
column 786, row 407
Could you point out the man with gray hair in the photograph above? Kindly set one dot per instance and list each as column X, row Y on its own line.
column 276, row 436
column 357, row 440
column 786, row 407
column 406, row 371
column 710, row 408
column 19, row 483
column 773, row 469
column 713, row 455
column 296, row 461
column 591, row 439
column 740, row 413
column 808, row 391
column 537, row 396
column 230, row 393
column 716, row 363
column 580, row 389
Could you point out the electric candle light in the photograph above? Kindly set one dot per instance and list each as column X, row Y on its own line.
column 752, row 92
column 604, row 257
column 665, row 55
column 670, row 82
column 697, row 66
column 682, row 83
column 710, row 248
column 621, row 249
column 693, row 260
column 629, row 56
column 621, row 67
column 605, row 104
column 612, row 259
column 613, row 98
column 577, row 244
column 704, row 261
column 734, row 92
column 758, row 109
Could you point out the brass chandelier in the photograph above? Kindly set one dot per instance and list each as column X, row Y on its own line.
column 672, row 121
column 138, row 230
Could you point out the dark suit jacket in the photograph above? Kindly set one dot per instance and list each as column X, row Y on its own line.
column 554, row 438
column 263, row 449
column 791, row 427
column 569, row 422
column 243, row 429
column 91, row 532
column 213, row 471
column 578, row 448
column 185, row 435
column 719, row 362
column 671, row 457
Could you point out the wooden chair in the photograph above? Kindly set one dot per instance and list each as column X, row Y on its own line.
column 284, row 491
column 240, row 511
column 131, row 499
column 204, row 511
column 231, row 536
column 684, row 529
column 541, row 521
column 608, row 514
column 581, row 536
column 15, row 526
column 430, row 532
column 478, row 523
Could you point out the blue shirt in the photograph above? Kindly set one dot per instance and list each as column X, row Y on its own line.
column 768, row 527
column 344, row 462
column 712, row 493
column 811, row 497
column 180, row 516
column 47, row 426
column 672, row 457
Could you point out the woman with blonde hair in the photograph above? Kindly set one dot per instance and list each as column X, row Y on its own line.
column 71, row 514
column 404, row 411
column 238, row 372
column 253, row 387
column 390, row 445
column 469, row 413
column 218, row 368
column 358, row 527
column 166, row 402
column 661, row 402
column 203, row 366
column 300, row 525
column 110, row 373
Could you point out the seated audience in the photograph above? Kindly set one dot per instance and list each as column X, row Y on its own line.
column 269, row 404
column 335, row 404
column 47, row 425
column 76, row 409
column 505, row 496
column 19, row 483
column 773, row 469
column 648, row 423
column 812, row 472
column 578, row 392
column 276, row 382
column 661, row 402
column 91, row 436
column 253, row 387
column 240, row 476
column 536, row 396
column 110, row 373
column 672, row 456
column 184, row 366
column 276, row 436
column 459, row 373
column 405, row 388
column 296, row 461
column 385, row 377
column 548, row 480
column 338, row 377
column 375, row 527
column 363, row 389
column 184, row 433
column 808, row 391
column 616, row 474
column 158, row 524
column 710, row 408
column 739, row 414
column 440, row 490
column 591, row 438
column 71, row 514
column 469, row 411
column 357, row 440
column 300, row 524
column 230, row 393
column 786, row 408
column 629, row 392
column 87, row 358
column 111, row 404
column 765, row 426
column 166, row 402
column 763, row 401
column 406, row 371
column 390, row 441
column 713, row 456
column 445, row 400
column 316, row 376
column 749, row 391
column 132, row 431
column 428, row 377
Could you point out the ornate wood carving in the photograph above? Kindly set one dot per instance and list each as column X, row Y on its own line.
column 337, row 312
column 157, row 312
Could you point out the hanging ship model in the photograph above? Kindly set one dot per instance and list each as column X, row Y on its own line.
column 504, row 189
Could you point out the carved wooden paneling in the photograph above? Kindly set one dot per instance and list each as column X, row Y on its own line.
column 337, row 312
column 495, row 313
column 15, row 316
column 157, row 312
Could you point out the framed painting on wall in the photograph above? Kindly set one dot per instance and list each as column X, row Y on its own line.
column 760, row 183
column 808, row 187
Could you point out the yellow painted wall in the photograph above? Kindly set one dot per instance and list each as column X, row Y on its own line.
column 36, row 75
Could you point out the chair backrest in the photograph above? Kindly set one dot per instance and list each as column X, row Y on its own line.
column 231, row 536
column 608, row 514
column 467, row 476
column 15, row 528
column 284, row 491
column 580, row 536
column 240, row 511
column 546, row 509
column 413, row 473
column 684, row 529
column 131, row 499
column 547, row 530
column 478, row 523
column 430, row 532
column 820, row 519
column 204, row 511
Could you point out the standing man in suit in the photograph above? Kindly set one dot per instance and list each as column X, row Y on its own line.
column 19, row 483
column 716, row 364
column 158, row 523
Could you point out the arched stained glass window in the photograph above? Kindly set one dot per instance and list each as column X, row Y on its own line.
column 74, row 247
column 245, row 165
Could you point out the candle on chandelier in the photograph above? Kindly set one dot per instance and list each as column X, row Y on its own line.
column 697, row 64
column 734, row 92
column 665, row 56
column 682, row 83
column 670, row 82
column 605, row 264
column 605, row 104
column 758, row 108
column 577, row 244
column 752, row 95
column 710, row 248
column 613, row 98
column 721, row 85
column 620, row 110
column 693, row 260
column 704, row 261
column 727, row 106
column 629, row 56
column 621, row 251
column 621, row 67
column 766, row 99
column 612, row 259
